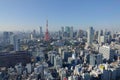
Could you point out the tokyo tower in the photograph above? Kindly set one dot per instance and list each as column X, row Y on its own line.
column 47, row 37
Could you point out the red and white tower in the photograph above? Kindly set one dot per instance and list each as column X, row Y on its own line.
column 47, row 37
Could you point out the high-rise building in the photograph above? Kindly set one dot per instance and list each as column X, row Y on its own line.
column 90, row 35
column 102, row 37
column 6, row 37
column 107, row 52
column 66, row 55
column 31, row 36
column 67, row 29
column 62, row 32
column 109, row 74
column 34, row 33
column 11, row 39
column 40, row 29
column 67, row 32
column 16, row 43
column 95, row 35
column 71, row 32
column 62, row 29
column 41, row 32
column 96, row 59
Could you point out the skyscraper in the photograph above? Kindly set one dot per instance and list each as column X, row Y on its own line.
column 90, row 35
column 62, row 32
column 41, row 33
column 101, row 37
column 71, row 32
column 67, row 29
column 62, row 29
column 16, row 43
column 6, row 37
column 40, row 29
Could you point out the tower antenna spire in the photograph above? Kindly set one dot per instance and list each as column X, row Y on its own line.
column 47, row 37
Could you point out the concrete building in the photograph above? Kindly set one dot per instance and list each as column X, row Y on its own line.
column 58, row 61
column 41, row 32
column 52, row 56
column 109, row 74
column 107, row 52
column 16, row 43
column 90, row 35
column 66, row 55
column 62, row 32
column 102, row 39
column 18, row 68
column 12, row 39
column 71, row 32
column 6, row 37
column 96, row 59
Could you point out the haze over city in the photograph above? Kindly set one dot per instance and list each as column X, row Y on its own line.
column 30, row 14
column 59, row 39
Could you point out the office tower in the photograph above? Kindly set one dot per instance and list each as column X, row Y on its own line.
column 62, row 32
column 16, row 43
column 41, row 33
column 65, row 55
column 99, row 35
column 62, row 29
column 107, row 52
column 47, row 36
column 102, row 39
column 90, row 35
column 96, row 59
column 96, row 35
column 52, row 56
column 110, row 74
column 80, row 33
column 71, row 32
column 67, row 29
column 6, row 37
column 12, row 39
column 102, row 36
column 40, row 29
column 31, row 36
column 34, row 33
column 105, row 32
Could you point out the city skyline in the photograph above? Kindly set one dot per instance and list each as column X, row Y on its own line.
column 29, row 14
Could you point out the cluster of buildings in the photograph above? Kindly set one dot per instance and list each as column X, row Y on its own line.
column 63, row 55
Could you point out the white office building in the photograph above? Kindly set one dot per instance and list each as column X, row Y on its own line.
column 107, row 52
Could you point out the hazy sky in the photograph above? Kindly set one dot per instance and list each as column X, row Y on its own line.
column 30, row 14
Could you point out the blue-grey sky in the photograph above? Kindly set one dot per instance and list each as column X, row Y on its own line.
column 30, row 14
